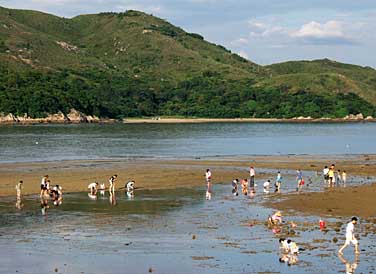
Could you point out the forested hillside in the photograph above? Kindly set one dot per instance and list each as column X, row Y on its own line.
column 131, row 64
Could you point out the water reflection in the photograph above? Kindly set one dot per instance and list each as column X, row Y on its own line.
column 112, row 198
column 350, row 267
column 44, row 205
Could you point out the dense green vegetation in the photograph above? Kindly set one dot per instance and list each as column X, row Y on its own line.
column 119, row 96
column 132, row 64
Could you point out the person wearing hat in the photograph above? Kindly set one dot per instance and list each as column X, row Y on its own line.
column 350, row 237
column 276, row 218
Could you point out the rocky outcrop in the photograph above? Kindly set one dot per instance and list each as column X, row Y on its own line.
column 8, row 119
column 92, row 119
column 358, row 116
column 56, row 118
column 74, row 116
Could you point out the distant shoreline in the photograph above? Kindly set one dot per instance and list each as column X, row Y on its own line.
column 242, row 120
column 39, row 121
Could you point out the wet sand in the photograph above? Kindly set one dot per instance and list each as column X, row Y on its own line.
column 340, row 202
column 74, row 176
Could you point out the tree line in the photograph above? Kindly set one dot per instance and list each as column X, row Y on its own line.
column 114, row 95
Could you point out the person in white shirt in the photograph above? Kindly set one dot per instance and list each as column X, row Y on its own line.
column 102, row 188
column 350, row 237
column 251, row 177
column 130, row 189
column 267, row 186
column 325, row 173
column 43, row 185
column 208, row 175
column 93, row 188
column 208, row 184
column 284, row 245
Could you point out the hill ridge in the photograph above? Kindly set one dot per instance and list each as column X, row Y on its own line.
column 133, row 64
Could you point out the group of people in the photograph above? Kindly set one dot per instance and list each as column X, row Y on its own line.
column 289, row 251
column 334, row 177
column 47, row 191
column 249, row 188
column 94, row 187
column 289, row 248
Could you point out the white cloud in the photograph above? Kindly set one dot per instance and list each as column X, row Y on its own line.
column 240, row 42
column 331, row 32
column 260, row 29
column 54, row 2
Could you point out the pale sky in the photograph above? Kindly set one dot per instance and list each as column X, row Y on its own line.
column 265, row 32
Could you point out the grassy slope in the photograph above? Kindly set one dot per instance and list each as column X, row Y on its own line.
column 131, row 42
column 324, row 76
column 143, row 46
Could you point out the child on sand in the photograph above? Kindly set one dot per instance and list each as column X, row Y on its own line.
column 251, row 177
column 350, row 237
column 293, row 247
column 43, row 183
column 275, row 219
column 112, row 183
column 344, row 177
column 93, row 188
column 244, row 186
column 331, row 175
column 325, row 172
column 299, row 180
column 267, row 186
column 235, row 187
column 278, row 182
column 19, row 186
column 208, row 177
column 283, row 245
column 130, row 189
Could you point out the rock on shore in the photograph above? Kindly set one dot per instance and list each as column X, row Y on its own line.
column 73, row 116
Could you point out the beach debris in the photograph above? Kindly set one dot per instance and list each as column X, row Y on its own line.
column 151, row 269
column 335, row 239
column 193, row 237
column 322, row 224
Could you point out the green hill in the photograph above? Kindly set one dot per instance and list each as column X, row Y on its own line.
column 324, row 76
column 133, row 64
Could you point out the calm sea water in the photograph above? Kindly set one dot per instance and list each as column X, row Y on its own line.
column 69, row 142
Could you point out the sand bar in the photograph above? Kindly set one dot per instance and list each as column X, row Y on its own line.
column 160, row 173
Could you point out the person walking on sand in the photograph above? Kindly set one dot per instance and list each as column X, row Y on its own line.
column 278, row 182
column 244, row 186
column 19, row 187
column 299, row 180
column 350, row 237
column 252, row 178
column 344, row 177
column 112, row 181
column 234, row 184
column 331, row 175
column 325, row 173
column 339, row 177
column 267, row 186
column 43, row 185
column 208, row 177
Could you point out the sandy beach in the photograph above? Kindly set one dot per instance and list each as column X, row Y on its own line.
column 74, row 176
